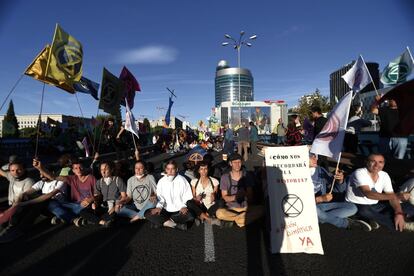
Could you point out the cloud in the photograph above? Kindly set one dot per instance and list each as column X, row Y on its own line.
column 157, row 54
column 291, row 30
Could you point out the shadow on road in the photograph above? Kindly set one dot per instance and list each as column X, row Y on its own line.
column 102, row 252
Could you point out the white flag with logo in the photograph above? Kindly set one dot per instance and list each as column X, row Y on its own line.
column 130, row 124
column 329, row 141
column 358, row 76
column 398, row 70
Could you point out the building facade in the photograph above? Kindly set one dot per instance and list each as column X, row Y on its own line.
column 233, row 84
column 264, row 114
column 64, row 121
column 338, row 87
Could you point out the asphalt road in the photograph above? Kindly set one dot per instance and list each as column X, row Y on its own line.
column 140, row 250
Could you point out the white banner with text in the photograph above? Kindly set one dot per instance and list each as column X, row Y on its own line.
column 294, row 221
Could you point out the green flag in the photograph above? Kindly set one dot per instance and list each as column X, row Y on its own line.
column 398, row 70
column 112, row 90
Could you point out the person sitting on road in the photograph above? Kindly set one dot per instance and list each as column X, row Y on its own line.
column 12, row 159
column 237, row 192
column 30, row 204
column 141, row 194
column 204, row 189
column 19, row 182
column 173, row 192
column 109, row 190
column 335, row 213
column 81, row 185
column 371, row 190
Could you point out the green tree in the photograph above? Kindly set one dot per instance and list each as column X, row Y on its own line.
column 147, row 125
column 10, row 125
column 307, row 101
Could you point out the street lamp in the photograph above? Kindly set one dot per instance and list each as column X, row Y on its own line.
column 237, row 44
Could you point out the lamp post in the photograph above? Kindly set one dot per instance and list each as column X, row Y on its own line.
column 237, row 44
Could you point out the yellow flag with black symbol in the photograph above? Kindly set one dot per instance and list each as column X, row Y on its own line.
column 68, row 54
column 37, row 70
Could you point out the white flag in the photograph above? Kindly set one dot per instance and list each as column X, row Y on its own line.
column 358, row 76
column 130, row 124
column 329, row 141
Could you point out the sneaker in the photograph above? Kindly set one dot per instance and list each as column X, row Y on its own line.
column 107, row 224
column 358, row 224
column 78, row 222
column 374, row 225
column 409, row 227
column 181, row 226
column 56, row 221
column 169, row 223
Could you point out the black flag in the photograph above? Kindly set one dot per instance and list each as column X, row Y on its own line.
column 111, row 93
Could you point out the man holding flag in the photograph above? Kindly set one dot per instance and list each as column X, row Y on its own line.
column 396, row 118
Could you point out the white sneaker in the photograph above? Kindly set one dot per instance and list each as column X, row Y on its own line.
column 360, row 224
column 170, row 223
column 409, row 227
column 374, row 225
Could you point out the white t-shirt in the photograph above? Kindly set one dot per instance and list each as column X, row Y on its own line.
column 408, row 187
column 49, row 186
column 173, row 193
column 360, row 178
column 208, row 190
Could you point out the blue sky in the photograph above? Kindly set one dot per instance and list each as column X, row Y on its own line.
column 177, row 44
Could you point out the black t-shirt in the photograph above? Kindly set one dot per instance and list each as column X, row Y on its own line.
column 388, row 121
column 319, row 124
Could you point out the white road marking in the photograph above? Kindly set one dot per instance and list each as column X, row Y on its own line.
column 209, row 251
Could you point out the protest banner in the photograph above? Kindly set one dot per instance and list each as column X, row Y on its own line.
column 294, row 221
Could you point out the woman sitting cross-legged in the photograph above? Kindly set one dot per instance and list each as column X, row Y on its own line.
column 204, row 189
column 141, row 194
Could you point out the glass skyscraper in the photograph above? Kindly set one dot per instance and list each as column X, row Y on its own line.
column 227, row 84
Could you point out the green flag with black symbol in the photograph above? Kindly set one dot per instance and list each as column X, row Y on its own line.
column 112, row 90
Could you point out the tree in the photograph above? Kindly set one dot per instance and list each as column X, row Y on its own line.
column 147, row 125
column 307, row 101
column 10, row 125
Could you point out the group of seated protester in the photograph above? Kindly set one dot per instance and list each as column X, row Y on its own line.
column 364, row 199
column 79, row 198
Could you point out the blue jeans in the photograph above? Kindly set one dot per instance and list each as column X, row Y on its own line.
column 66, row 211
column 394, row 146
column 336, row 213
column 130, row 211
column 281, row 140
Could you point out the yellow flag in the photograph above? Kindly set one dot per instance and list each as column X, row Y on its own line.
column 37, row 70
column 68, row 54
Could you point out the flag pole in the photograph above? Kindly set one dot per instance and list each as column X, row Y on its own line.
column 336, row 170
column 369, row 74
column 83, row 118
column 11, row 91
column 409, row 52
column 43, row 93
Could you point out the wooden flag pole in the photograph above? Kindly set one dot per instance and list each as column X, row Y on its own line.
column 43, row 93
column 336, row 170
column 369, row 74
column 87, row 131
